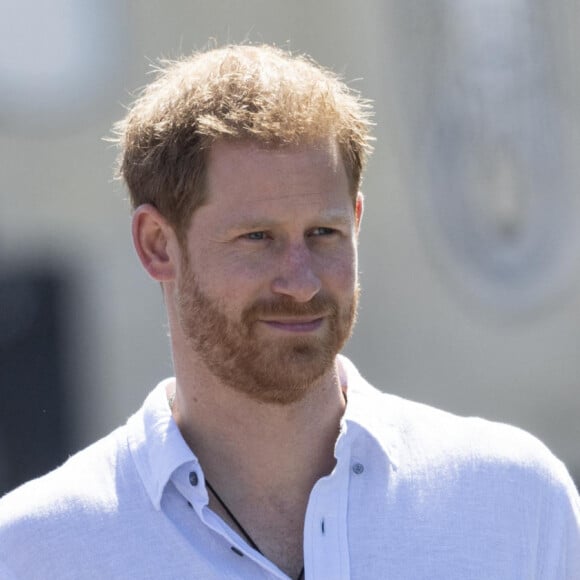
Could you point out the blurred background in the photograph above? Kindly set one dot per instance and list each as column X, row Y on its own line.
column 470, row 247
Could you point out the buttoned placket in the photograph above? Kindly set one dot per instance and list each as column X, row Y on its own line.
column 326, row 551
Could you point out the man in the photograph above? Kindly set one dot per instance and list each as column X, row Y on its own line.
column 268, row 456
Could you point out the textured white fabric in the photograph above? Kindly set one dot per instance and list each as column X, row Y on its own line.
column 417, row 493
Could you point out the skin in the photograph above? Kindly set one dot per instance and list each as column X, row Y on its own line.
column 277, row 238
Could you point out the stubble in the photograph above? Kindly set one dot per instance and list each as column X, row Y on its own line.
column 278, row 369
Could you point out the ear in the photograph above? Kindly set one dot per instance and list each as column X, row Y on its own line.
column 358, row 210
column 153, row 239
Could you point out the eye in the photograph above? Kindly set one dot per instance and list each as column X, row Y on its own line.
column 255, row 236
column 321, row 231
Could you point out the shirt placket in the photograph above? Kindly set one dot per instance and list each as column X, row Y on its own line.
column 190, row 482
column 326, row 553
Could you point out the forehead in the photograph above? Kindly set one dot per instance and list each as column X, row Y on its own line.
column 246, row 175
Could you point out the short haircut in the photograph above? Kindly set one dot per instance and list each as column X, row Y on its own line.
column 236, row 93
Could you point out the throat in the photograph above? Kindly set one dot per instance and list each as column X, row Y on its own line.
column 280, row 540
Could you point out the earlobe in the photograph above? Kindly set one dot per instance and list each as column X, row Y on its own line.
column 358, row 210
column 152, row 236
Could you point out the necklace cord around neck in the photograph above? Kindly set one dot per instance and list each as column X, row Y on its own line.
column 240, row 527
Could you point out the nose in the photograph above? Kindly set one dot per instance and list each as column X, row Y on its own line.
column 295, row 275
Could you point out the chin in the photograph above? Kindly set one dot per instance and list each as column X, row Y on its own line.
column 284, row 378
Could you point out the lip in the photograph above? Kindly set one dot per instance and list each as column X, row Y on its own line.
column 295, row 324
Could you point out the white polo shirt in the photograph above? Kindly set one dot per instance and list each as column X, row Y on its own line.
column 416, row 493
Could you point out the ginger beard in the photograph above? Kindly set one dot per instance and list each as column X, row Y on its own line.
column 273, row 369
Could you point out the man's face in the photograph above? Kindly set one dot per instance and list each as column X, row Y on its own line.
column 267, row 291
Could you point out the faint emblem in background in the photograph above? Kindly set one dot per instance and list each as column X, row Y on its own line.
column 499, row 190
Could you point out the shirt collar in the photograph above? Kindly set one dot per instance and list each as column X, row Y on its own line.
column 368, row 411
column 156, row 443
column 158, row 448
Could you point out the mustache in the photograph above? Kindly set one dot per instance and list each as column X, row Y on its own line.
column 318, row 306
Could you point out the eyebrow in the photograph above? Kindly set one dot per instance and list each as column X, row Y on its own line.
column 332, row 217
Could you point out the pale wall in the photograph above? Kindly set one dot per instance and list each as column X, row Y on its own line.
column 420, row 334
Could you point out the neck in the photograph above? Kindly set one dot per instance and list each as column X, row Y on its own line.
column 263, row 459
column 259, row 448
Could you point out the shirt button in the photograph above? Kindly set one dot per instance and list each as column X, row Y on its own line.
column 358, row 468
column 193, row 479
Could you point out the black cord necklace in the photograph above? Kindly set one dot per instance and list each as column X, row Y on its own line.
column 240, row 527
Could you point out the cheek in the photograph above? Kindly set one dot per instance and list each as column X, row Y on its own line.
column 341, row 274
column 236, row 280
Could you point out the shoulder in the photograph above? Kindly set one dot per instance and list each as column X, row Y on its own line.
column 95, row 480
column 73, row 493
column 472, row 464
column 424, row 441
column 463, row 481
column 433, row 437
column 474, row 441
